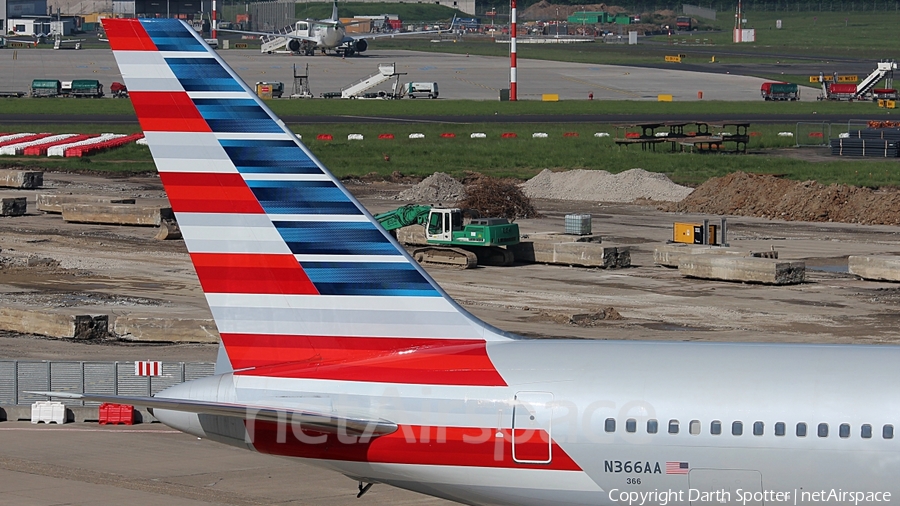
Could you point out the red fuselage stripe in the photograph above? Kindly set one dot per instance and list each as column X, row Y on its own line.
column 202, row 192
column 418, row 445
column 371, row 359
column 252, row 273
column 167, row 111
column 127, row 35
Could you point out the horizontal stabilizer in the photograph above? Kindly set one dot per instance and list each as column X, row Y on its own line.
column 318, row 422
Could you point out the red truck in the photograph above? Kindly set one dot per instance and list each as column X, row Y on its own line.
column 884, row 94
column 841, row 91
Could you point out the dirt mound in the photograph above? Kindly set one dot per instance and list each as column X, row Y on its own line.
column 546, row 11
column 601, row 186
column 436, row 188
column 767, row 196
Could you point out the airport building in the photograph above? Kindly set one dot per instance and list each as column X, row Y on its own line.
column 18, row 9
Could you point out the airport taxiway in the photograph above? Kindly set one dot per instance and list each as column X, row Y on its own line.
column 150, row 464
column 458, row 76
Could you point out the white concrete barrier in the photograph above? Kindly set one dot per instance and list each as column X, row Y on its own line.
column 48, row 412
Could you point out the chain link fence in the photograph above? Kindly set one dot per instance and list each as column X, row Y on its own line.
column 108, row 378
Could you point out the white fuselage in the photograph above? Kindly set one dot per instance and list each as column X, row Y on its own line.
column 589, row 396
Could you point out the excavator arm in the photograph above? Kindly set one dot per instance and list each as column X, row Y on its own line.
column 410, row 214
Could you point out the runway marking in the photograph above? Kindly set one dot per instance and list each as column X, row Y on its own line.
column 607, row 88
column 473, row 83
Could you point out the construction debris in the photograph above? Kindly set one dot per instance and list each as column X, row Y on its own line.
column 498, row 198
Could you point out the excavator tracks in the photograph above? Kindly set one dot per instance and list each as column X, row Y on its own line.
column 457, row 258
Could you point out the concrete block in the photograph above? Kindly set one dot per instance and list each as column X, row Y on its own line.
column 166, row 330
column 23, row 179
column 49, row 203
column 13, row 206
column 668, row 255
column 116, row 214
column 882, row 268
column 745, row 269
column 585, row 254
column 59, row 325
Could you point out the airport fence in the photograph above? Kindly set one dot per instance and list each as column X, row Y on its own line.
column 109, row 378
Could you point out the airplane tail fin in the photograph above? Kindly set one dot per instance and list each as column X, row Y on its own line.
column 300, row 278
column 334, row 13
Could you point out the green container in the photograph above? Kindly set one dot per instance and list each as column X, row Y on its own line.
column 86, row 88
column 45, row 88
column 623, row 19
column 784, row 88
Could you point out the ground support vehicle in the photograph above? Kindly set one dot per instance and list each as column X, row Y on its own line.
column 118, row 90
column 45, row 88
column 442, row 239
column 86, row 88
column 779, row 91
column 413, row 90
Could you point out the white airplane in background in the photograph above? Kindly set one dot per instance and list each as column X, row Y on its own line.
column 338, row 349
column 307, row 35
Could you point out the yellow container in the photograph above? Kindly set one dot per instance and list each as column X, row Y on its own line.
column 691, row 233
column 664, row 98
column 890, row 104
column 550, row 97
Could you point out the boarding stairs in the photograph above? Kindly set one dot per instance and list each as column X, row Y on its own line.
column 277, row 41
column 884, row 70
column 385, row 72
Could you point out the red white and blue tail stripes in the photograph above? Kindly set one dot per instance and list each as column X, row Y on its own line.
column 301, row 280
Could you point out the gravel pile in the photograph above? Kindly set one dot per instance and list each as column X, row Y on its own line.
column 601, row 186
column 438, row 187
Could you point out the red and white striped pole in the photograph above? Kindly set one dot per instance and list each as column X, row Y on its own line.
column 214, row 26
column 512, row 50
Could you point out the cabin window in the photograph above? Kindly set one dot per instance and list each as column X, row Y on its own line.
column 737, row 428
column 631, row 425
column 715, row 427
column 844, row 430
column 801, row 429
column 779, row 429
column 758, row 428
column 865, row 431
column 652, row 426
column 822, row 431
column 673, row 426
column 610, row 425
column 887, row 432
column 695, row 427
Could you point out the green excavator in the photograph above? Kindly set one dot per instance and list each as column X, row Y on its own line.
column 444, row 240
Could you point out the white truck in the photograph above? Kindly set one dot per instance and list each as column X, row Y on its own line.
column 414, row 90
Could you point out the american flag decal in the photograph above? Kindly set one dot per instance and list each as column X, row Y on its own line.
column 677, row 468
